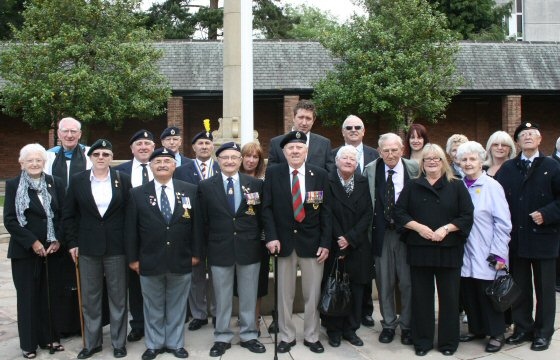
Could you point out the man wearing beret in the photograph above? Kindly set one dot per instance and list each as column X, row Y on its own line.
column 202, row 167
column 171, row 139
column 163, row 241
column 531, row 182
column 94, row 213
column 231, row 210
column 297, row 222
column 142, row 146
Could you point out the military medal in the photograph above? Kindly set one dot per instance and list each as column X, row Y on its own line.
column 315, row 198
column 251, row 199
column 186, row 201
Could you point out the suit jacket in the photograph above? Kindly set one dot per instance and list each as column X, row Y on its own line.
column 84, row 227
column 125, row 167
column 162, row 248
column 22, row 238
column 190, row 174
column 375, row 173
column 318, row 154
column 369, row 153
column 230, row 239
column 279, row 223
column 184, row 160
column 351, row 217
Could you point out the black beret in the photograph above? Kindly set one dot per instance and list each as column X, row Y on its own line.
column 228, row 146
column 170, row 131
column 293, row 136
column 524, row 126
column 203, row 135
column 162, row 152
column 141, row 134
column 100, row 144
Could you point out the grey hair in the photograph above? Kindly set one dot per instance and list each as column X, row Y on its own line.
column 31, row 149
column 346, row 149
column 558, row 144
column 390, row 136
column 499, row 137
column 72, row 120
column 471, row 147
column 349, row 117
column 454, row 139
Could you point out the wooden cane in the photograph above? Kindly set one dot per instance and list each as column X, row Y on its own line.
column 78, row 277
column 51, row 349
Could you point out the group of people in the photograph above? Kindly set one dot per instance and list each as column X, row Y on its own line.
column 165, row 236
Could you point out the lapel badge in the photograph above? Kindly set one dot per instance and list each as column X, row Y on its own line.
column 49, row 185
column 116, row 183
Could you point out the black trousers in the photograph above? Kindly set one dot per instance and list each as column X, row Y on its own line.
column 346, row 325
column 135, row 301
column 423, row 312
column 367, row 300
column 483, row 319
column 541, row 273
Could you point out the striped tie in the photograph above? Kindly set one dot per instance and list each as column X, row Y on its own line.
column 203, row 170
column 297, row 203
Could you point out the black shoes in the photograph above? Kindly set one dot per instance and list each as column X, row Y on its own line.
column 119, row 352
column 219, row 348
column 353, row 339
column 367, row 320
column 135, row 335
column 87, row 353
column 196, row 324
column 406, row 337
column 420, row 352
column 470, row 337
column 495, row 344
column 334, row 340
column 254, row 346
column 151, row 354
column 540, row 344
column 284, row 347
column 273, row 329
column 448, row 352
column 180, row 353
column 386, row 336
column 316, row 346
column 519, row 337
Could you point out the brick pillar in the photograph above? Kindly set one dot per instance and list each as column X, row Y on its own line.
column 52, row 132
column 511, row 113
column 175, row 115
column 290, row 102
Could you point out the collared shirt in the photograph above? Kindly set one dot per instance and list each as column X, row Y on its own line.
column 236, row 188
column 136, row 175
column 301, row 177
column 102, row 192
column 178, row 159
column 209, row 167
column 360, row 156
column 169, row 191
column 531, row 159
column 398, row 177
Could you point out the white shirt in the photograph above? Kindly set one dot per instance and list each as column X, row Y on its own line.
column 236, row 188
column 209, row 167
column 136, row 174
column 102, row 192
column 169, row 191
column 301, row 177
column 398, row 177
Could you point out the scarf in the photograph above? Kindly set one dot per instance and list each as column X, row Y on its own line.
column 77, row 163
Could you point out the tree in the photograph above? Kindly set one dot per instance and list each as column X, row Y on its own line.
column 10, row 15
column 172, row 18
column 270, row 19
column 309, row 23
column 475, row 19
column 397, row 63
column 84, row 58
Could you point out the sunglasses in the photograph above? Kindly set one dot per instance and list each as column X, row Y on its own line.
column 102, row 154
column 356, row 127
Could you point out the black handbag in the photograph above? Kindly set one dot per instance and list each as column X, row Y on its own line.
column 503, row 291
column 336, row 297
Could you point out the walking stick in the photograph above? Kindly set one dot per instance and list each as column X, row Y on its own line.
column 80, row 302
column 51, row 348
column 275, row 317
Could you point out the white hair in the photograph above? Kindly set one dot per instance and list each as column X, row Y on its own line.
column 32, row 149
column 346, row 149
column 390, row 136
column 471, row 147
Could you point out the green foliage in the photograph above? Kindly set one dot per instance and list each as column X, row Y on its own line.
column 89, row 59
column 397, row 63
column 172, row 18
column 10, row 15
column 310, row 23
column 270, row 19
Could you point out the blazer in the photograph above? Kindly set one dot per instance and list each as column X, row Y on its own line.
column 351, row 218
column 162, row 248
column 190, row 174
column 184, row 160
column 230, row 239
column 125, row 167
column 319, row 153
column 22, row 238
column 84, row 227
column 370, row 154
column 279, row 223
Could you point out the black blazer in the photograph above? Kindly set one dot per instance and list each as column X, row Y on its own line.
column 279, row 223
column 189, row 172
column 230, row 239
column 370, row 154
column 22, row 238
column 318, row 154
column 159, row 247
column 84, row 227
column 125, row 167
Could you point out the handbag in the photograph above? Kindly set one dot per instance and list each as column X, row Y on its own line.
column 336, row 297
column 503, row 291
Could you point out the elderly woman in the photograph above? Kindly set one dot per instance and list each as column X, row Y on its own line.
column 487, row 244
column 352, row 213
column 451, row 149
column 94, row 213
column 436, row 213
column 32, row 217
column 500, row 147
column 415, row 140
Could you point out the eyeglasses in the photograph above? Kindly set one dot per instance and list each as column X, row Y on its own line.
column 355, row 127
column 69, row 131
column 432, row 159
column 225, row 158
column 102, row 154
column 525, row 134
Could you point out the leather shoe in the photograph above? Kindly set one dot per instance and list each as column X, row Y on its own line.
column 448, row 352
column 253, row 345
column 316, row 346
column 353, row 339
column 519, row 337
column 135, row 335
column 272, row 328
column 180, row 353
column 219, row 348
column 406, row 337
column 540, row 344
column 151, row 354
column 87, row 353
column 119, row 352
column 196, row 324
column 367, row 320
column 284, row 347
column 334, row 340
column 470, row 337
column 495, row 343
column 420, row 352
column 386, row 335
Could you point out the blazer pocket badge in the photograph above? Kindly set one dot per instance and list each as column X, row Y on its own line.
column 315, row 198
column 186, row 201
column 251, row 199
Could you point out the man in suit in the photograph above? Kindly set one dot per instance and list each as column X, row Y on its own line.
column 531, row 182
column 142, row 146
column 556, row 156
column 230, row 206
column 163, row 241
column 93, row 218
column 387, row 176
column 319, row 147
column 297, row 218
column 171, row 139
column 202, row 167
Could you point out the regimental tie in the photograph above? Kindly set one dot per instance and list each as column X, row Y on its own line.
column 389, row 197
column 526, row 166
column 145, row 178
column 203, row 170
column 297, row 203
column 230, row 195
column 165, row 206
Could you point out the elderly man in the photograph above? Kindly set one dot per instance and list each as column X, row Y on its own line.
column 300, row 231
column 556, row 156
column 171, row 139
column 163, row 236
column 387, row 176
column 233, row 246
column 531, row 182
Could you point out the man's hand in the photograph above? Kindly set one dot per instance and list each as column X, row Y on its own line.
column 195, row 261
column 273, row 246
column 74, row 253
column 537, row 217
column 342, row 242
column 322, row 254
column 135, row 266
